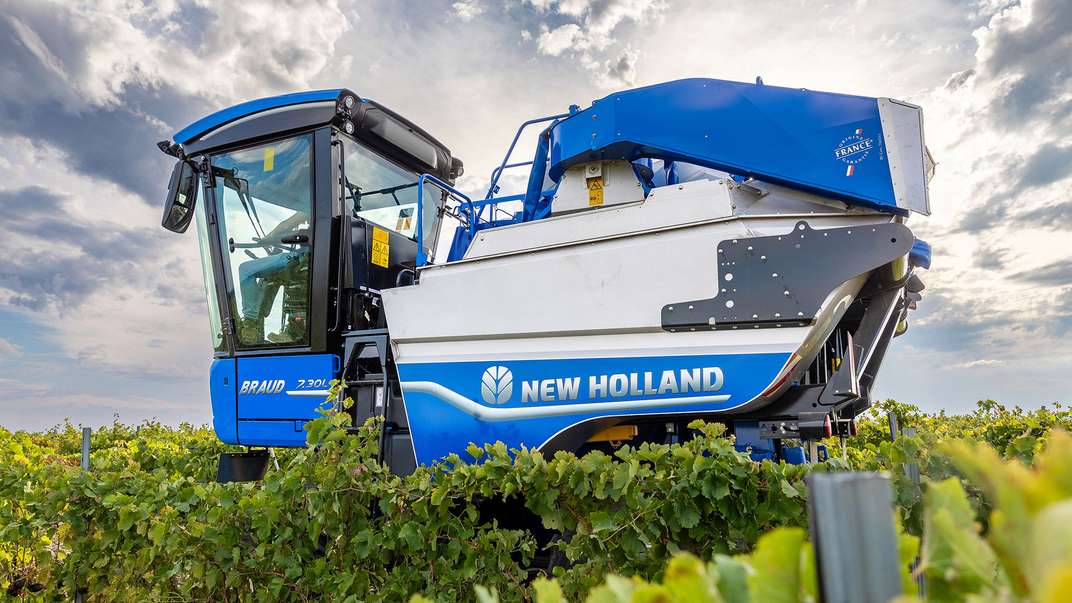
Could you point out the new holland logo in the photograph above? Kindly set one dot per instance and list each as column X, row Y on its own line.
column 853, row 149
column 497, row 385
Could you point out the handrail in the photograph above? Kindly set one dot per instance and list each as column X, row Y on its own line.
column 422, row 258
column 500, row 169
column 471, row 206
column 497, row 172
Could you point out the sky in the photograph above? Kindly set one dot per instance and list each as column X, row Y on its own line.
column 102, row 312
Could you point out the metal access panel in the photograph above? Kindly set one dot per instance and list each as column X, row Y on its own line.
column 780, row 281
column 277, row 395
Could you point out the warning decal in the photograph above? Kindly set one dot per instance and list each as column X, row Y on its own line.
column 381, row 247
column 269, row 159
column 595, row 191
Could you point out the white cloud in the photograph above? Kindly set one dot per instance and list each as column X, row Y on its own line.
column 247, row 48
column 467, row 10
column 9, row 349
column 541, row 5
column 619, row 72
column 985, row 362
column 587, row 36
column 555, row 41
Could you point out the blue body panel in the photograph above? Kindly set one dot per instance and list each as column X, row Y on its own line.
column 259, row 401
column 224, row 116
column 440, row 427
column 797, row 138
column 224, row 404
column 920, row 255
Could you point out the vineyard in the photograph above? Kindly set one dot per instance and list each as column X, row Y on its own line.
column 990, row 518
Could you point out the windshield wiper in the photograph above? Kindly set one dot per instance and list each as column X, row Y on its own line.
column 391, row 190
column 231, row 180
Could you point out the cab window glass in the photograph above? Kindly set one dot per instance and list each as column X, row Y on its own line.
column 382, row 192
column 264, row 200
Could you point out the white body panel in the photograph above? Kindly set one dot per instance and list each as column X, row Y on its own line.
column 678, row 205
column 620, row 186
column 593, row 283
column 611, row 285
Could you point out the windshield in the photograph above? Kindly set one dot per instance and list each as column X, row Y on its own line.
column 264, row 201
column 384, row 193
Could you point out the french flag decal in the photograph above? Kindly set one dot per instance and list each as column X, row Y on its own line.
column 851, row 168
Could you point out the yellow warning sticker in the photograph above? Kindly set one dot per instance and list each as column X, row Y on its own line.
column 381, row 247
column 269, row 159
column 595, row 191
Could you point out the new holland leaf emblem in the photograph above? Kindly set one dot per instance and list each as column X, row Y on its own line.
column 497, row 385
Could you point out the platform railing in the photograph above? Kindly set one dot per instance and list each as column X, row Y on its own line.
column 493, row 186
column 471, row 211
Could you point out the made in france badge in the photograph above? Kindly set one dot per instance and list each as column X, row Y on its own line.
column 853, row 149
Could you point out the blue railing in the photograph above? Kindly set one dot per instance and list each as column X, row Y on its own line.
column 422, row 257
column 473, row 210
column 493, row 187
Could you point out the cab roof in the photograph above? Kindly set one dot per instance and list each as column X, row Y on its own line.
column 225, row 116
column 365, row 119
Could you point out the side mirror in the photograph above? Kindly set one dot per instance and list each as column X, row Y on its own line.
column 181, row 196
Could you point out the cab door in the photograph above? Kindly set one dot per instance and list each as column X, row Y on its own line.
column 270, row 222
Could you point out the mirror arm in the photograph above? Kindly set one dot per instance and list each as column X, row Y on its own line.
column 175, row 150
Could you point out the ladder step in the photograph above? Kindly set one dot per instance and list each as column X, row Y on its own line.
column 367, row 380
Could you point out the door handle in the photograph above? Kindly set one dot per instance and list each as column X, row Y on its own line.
column 299, row 239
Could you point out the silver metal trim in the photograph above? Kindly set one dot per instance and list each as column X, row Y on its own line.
column 309, row 393
column 486, row 413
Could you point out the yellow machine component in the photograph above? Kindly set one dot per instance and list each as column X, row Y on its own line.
column 618, row 433
column 899, row 268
